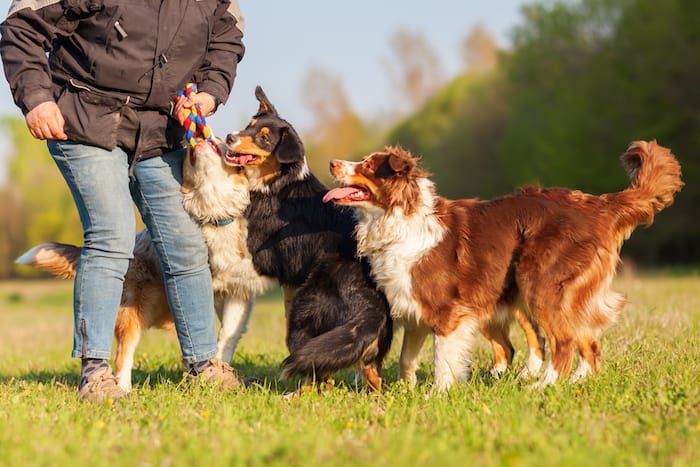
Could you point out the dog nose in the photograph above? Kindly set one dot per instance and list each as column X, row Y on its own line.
column 334, row 163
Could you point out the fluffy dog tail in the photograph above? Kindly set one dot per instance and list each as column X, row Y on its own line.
column 59, row 259
column 656, row 178
column 361, row 341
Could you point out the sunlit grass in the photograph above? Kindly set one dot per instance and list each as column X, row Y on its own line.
column 643, row 409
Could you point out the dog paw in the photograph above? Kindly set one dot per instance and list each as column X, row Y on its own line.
column 548, row 378
column 582, row 371
column 531, row 368
column 498, row 370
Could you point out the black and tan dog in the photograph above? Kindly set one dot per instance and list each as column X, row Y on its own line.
column 336, row 316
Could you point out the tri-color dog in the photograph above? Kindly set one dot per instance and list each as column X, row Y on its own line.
column 336, row 316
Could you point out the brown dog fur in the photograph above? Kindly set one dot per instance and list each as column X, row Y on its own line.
column 551, row 253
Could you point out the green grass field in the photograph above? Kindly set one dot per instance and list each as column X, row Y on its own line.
column 643, row 409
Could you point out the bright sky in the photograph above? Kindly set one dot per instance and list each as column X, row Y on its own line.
column 350, row 40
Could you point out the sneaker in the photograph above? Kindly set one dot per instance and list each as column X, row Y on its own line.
column 101, row 386
column 219, row 373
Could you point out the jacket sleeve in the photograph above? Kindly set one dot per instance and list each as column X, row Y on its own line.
column 27, row 35
column 218, row 71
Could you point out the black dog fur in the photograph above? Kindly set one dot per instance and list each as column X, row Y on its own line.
column 337, row 318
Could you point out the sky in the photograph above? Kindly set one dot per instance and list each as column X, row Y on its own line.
column 348, row 39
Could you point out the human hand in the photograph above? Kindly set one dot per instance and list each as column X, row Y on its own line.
column 45, row 121
column 206, row 102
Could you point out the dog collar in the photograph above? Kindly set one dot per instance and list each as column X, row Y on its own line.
column 222, row 222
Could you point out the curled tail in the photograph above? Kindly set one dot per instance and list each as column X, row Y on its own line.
column 360, row 341
column 59, row 259
column 656, row 178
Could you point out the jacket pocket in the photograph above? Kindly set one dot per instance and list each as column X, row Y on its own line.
column 90, row 118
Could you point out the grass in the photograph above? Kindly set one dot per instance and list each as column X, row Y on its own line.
column 643, row 409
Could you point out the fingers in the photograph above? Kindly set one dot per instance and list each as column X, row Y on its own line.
column 45, row 121
column 204, row 100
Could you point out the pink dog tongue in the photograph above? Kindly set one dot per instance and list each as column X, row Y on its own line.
column 239, row 158
column 245, row 158
column 339, row 193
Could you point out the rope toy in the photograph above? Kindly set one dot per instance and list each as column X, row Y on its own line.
column 195, row 124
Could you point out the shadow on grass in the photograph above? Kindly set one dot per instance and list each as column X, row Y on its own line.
column 264, row 368
column 66, row 378
column 266, row 375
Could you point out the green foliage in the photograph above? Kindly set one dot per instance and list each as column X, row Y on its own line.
column 457, row 133
column 582, row 81
column 643, row 409
column 41, row 208
column 342, row 138
column 587, row 78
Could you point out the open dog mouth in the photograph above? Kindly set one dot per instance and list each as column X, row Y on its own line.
column 352, row 193
column 200, row 147
column 234, row 158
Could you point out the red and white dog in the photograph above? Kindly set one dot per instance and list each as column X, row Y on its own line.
column 451, row 268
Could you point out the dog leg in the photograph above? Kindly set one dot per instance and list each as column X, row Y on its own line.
column 413, row 339
column 127, row 332
column 559, row 367
column 496, row 331
column 589, row 359
column 234, row 313
column 563, row 360
column 372, row 378
column 452, row 355
column 549, row 375
column 535, row 345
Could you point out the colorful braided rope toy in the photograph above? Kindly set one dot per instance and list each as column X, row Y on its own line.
column 195, row 124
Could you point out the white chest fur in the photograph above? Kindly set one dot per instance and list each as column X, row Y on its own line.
column 394, row 243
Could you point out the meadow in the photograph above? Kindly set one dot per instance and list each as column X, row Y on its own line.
column 642, row 409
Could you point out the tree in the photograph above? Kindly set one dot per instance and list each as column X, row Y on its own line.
column 38, row 206
column 479, row 51
column 457, row 133
column 337, row 132
column 415, row 71
column 584, row 80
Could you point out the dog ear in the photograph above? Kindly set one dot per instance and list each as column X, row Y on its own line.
column 290, row 148
column 265, row 106
column 400, row 164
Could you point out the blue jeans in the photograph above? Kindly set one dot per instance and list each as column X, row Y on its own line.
column 103, row 192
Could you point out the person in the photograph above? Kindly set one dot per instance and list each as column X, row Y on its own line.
column 97, row 80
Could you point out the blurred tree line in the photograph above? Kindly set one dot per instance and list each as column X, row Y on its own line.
column 581, row 80
column 36, row 203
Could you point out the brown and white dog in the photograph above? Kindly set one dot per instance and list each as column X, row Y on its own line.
column 216, row 195
column 452, row 267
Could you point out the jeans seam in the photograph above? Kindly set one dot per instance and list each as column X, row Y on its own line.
column 166, row 259
column 83, row 338
column 79, row 292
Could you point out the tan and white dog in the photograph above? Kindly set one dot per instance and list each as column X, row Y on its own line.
column 216, row 195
